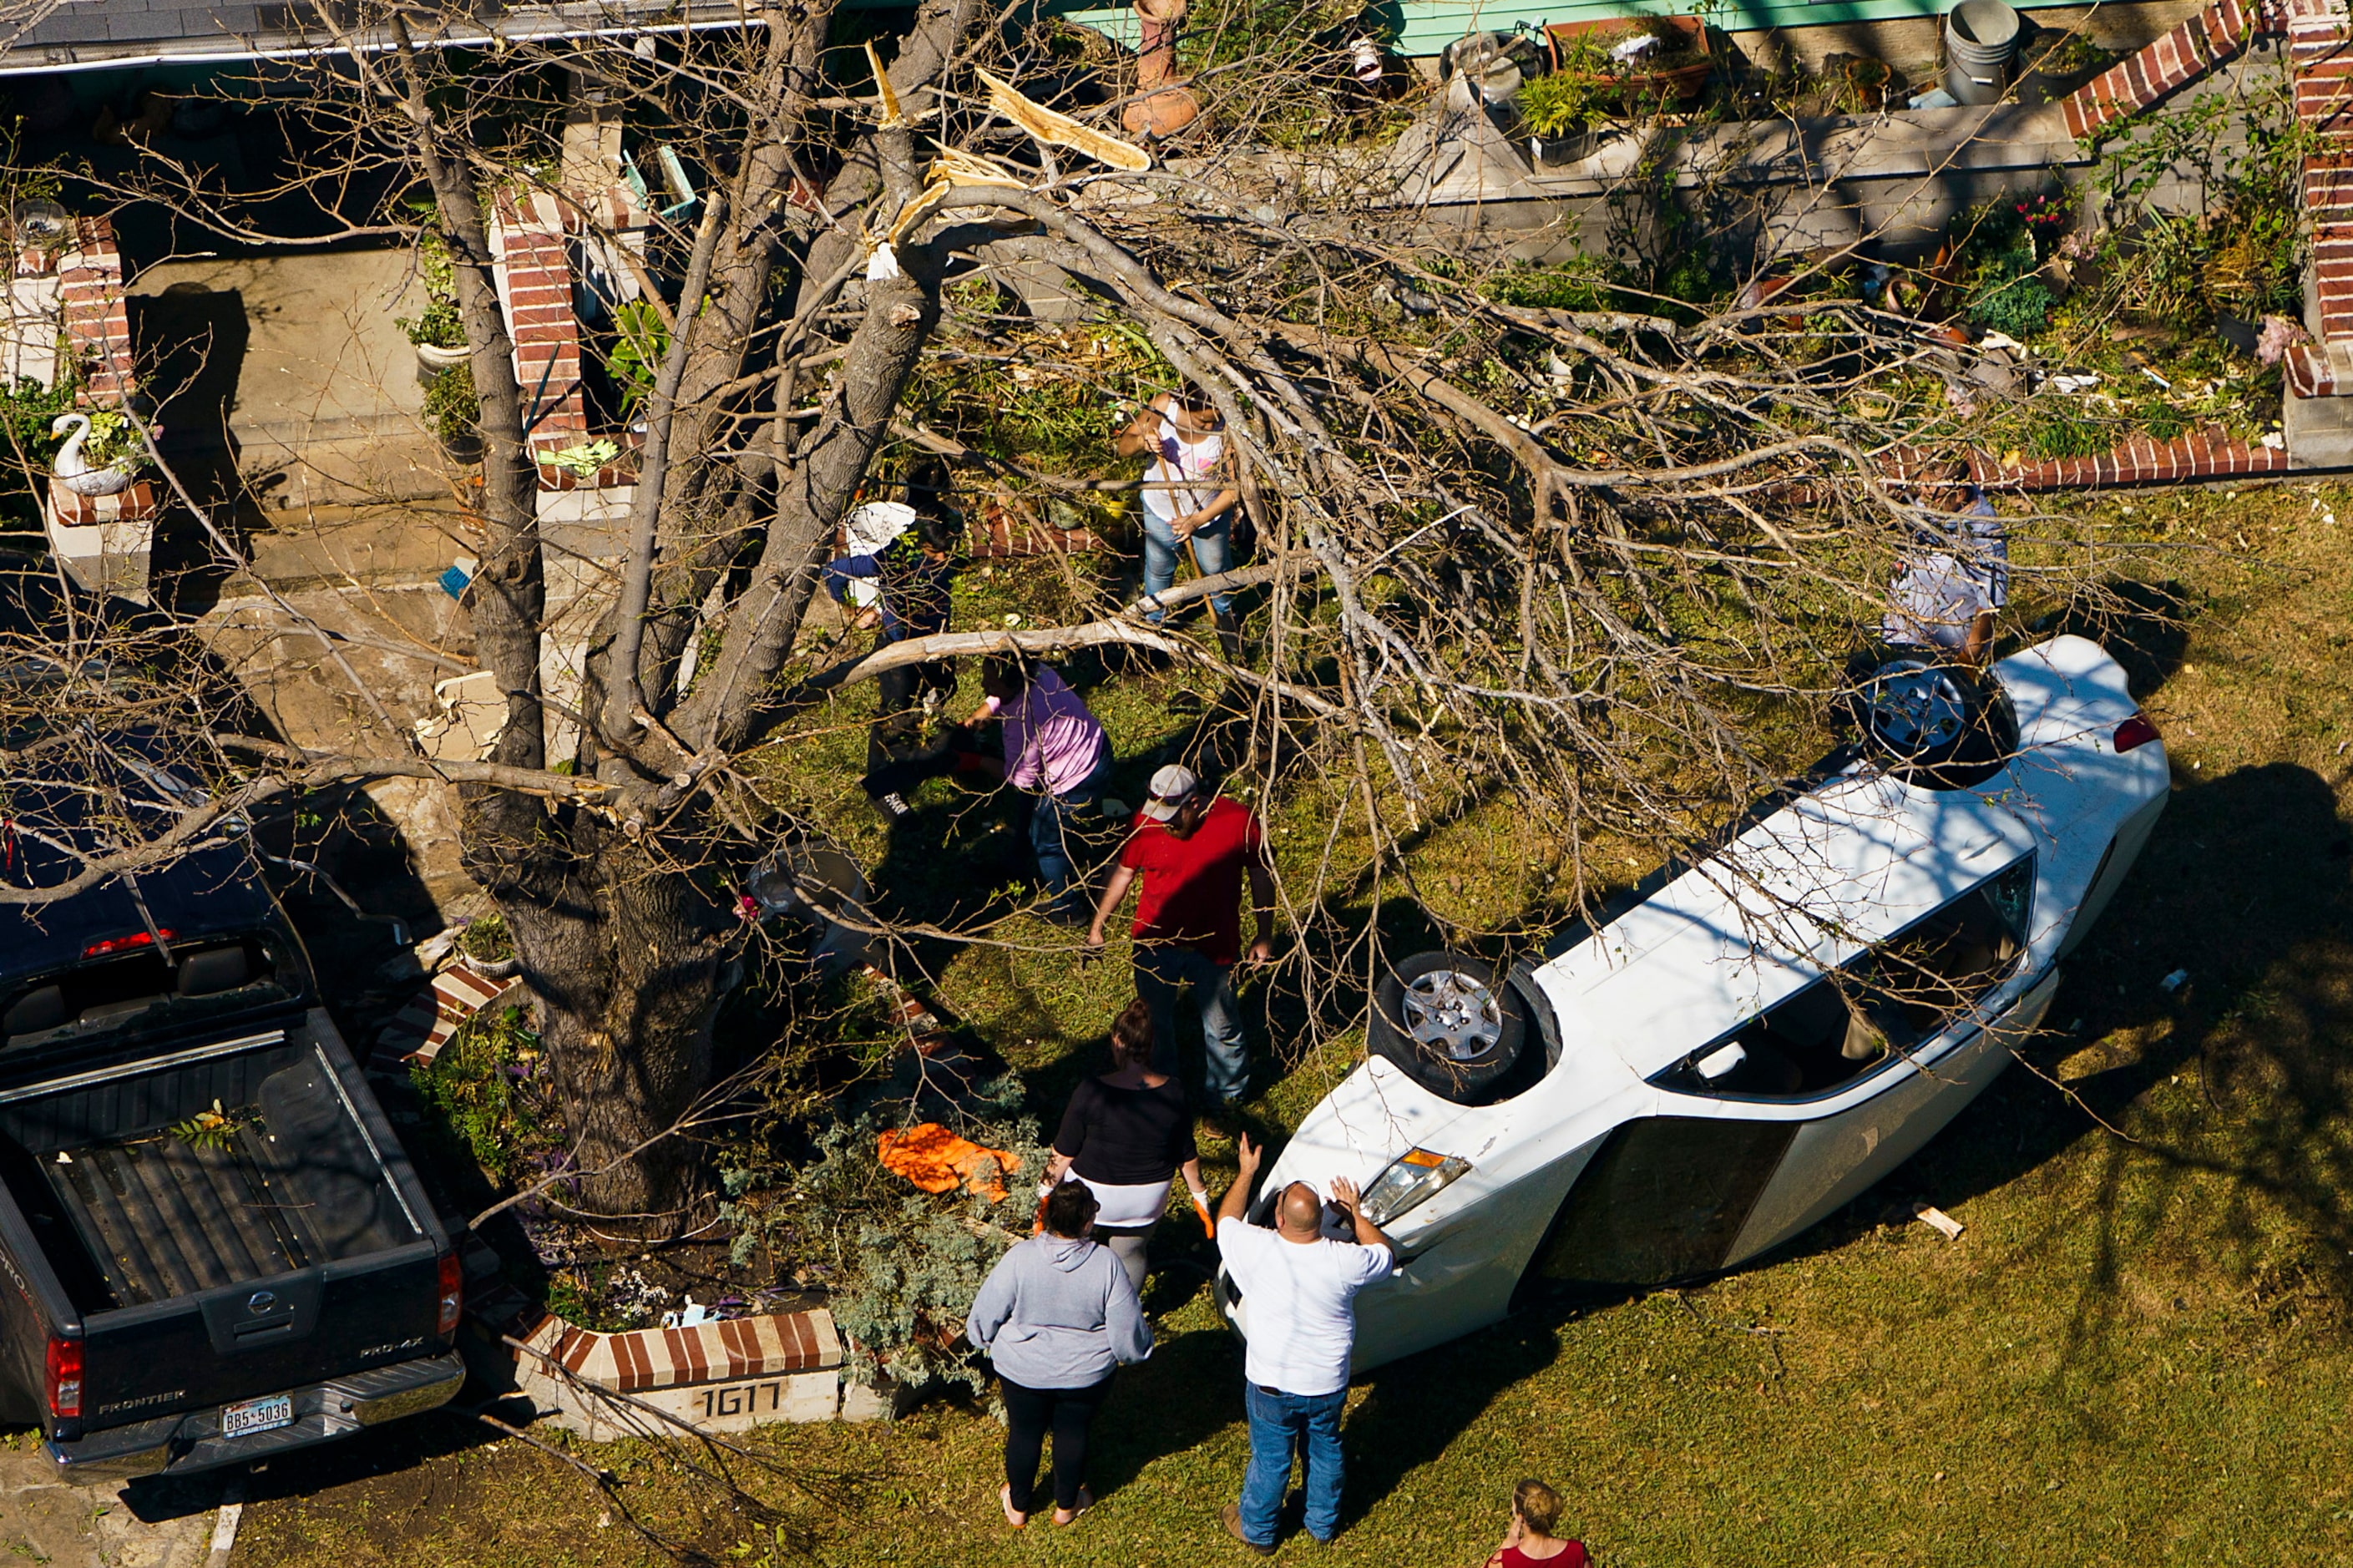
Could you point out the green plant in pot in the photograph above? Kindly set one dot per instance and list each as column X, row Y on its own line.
column 454, row 412
column 439, row 331
column 101, row 453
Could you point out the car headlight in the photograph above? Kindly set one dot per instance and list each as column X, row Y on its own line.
column 1413, row 1178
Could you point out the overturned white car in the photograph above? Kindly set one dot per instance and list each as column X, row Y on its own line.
column 1769, row 1032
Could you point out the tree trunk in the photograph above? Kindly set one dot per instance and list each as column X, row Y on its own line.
column 624, row 952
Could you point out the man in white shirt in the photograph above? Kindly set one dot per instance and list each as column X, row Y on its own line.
column 1301, row 1287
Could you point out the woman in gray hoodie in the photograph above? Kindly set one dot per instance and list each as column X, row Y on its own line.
column 1058, row 1316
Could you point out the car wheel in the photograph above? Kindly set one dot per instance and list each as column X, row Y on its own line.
column 1936, row 724
column 1449, row 1021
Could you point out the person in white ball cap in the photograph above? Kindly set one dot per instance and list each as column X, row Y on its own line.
column 1193, row 848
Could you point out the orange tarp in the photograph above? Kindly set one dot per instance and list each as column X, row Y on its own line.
column 935, row 1160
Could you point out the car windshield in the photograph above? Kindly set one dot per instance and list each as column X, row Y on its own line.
column 143, row 989
column 1897, row 995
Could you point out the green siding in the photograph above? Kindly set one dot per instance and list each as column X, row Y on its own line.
column 1426, row 26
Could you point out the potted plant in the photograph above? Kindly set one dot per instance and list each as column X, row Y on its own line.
column 487, row 947
column 581, row 464
column 1657, row 59
column 102, row 454
column 438, row 331
column 455, row 413
column 1564, row 113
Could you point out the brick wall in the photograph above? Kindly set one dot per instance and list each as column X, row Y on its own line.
column 97, row 325
column 2200, row 454
column 535, row 282
column 531, row 241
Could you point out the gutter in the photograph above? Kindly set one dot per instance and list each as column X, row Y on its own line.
column 60, row 57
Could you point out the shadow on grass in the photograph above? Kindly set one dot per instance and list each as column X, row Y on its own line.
column 1415, row 1408
column 1190, row 1388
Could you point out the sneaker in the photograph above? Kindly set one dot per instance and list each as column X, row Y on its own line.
column 1232, row 1515
column 891, row 805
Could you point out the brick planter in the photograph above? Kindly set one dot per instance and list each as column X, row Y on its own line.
column 716, row 1377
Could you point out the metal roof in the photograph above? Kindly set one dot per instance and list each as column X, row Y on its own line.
column 112, row 35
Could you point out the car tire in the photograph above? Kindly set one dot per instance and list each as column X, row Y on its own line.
column 1937, row 724
column 1403, row 1002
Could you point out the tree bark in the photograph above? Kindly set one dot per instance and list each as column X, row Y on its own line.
column 624, row 952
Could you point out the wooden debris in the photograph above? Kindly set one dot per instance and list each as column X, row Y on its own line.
column 1062, row 131
column 1939, row 1218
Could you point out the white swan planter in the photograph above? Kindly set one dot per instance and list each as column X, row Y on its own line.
column 74, row 471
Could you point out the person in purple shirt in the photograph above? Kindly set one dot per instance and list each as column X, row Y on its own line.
column 1057, row 753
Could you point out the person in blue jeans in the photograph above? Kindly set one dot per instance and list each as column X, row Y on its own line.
column 1299, row 1288
column 1193, row 848
column 1189, row 499
column 1056, row 751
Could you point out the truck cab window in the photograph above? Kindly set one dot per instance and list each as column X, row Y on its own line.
column 1900, row 993
column 140, row 988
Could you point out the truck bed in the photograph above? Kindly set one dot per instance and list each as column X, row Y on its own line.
column 163, row 1217
column 162, row 1212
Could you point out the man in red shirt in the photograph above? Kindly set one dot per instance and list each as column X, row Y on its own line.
column 1192, row 848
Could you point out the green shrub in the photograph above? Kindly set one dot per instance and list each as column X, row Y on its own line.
column 472, row 1092
column 2020, row 307
column 901, row 1267
column 451, row 408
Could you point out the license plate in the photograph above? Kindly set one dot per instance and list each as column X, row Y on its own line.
column 264, row 1415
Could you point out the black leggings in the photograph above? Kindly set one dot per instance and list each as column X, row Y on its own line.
column 1029, row 1413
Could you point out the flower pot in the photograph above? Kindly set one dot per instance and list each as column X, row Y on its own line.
column 110, row 480
column 1557, row 151
column 463, row 447
column 432, row 360
column 1680, row 82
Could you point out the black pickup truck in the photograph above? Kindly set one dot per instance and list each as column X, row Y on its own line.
column 213, row 1248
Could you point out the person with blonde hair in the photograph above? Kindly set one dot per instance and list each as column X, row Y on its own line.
column 1536, row 1514
column 1127, row 1134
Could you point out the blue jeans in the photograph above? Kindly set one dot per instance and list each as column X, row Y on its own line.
column 1162, row 970
column 1160, row 548
column 1280, row 1425
column 1050, row 819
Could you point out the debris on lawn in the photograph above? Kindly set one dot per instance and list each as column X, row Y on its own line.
column 1941, row 1221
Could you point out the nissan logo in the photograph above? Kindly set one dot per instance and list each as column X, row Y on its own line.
column 260, row 1301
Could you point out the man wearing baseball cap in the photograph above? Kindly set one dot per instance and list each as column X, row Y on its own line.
column 1193, row 847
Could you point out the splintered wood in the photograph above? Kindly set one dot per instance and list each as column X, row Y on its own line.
column 1942, row 1221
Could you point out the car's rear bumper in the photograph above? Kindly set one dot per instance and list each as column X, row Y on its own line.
column 322, row 1412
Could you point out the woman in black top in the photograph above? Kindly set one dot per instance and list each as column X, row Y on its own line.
column 1126, row 1135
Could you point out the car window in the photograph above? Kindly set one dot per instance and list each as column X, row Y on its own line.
column 139, row 990
column 1662, row 1201
column 1898, row 994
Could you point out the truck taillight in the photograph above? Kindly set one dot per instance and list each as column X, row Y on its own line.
column 453, row 1293
column 64, row 1378
column 2134, row 731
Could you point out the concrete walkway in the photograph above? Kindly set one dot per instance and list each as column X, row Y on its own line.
column 290, row 373
column 44, row 1521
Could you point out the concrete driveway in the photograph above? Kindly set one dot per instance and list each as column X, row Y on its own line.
column 44, row 1521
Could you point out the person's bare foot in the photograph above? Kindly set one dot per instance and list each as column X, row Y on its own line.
column 1013, row 1516
column 1071, row 1516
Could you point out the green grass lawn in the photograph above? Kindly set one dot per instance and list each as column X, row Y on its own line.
column 2137, row 1353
